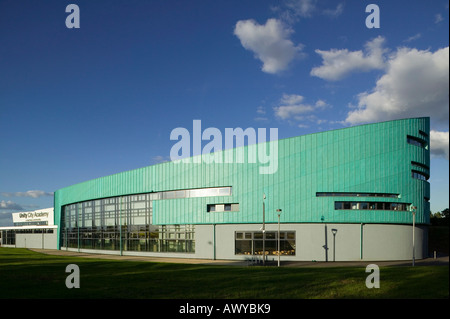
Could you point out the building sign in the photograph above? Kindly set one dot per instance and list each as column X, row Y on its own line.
column 38, row 217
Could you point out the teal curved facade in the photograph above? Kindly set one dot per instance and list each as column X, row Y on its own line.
column 317, row 176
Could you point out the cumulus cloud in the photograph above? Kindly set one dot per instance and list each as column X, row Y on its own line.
column 32, row 193
column 291, row 107
column 291, row 11
column 336, row 12
column 9, row 205
column 439, row 144
column 299, row 8
column 415, row 84
column 270, row 43
column 337, row 64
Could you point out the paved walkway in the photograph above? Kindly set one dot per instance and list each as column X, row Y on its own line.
column 421, row 262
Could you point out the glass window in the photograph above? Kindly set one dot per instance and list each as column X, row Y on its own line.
column 224, row 191
column 416, row 141
column 138, row 205
column 204, row 192
column 363, row 206
column 179, row 194
column 419, row 175
column 207, row 192
column 347, row 194
column 420, row 165
column 223, row 207
column 252, row 243
column 371, row 206
column 168, row 195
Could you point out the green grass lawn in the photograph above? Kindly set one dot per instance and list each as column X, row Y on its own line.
column 28, row 274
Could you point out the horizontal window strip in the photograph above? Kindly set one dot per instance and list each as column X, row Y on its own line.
column 371, row 206
column 420, row 165
column 419, row 175
column 142, row 198
column 222, row 208
column 416, row 141
column 351, row 194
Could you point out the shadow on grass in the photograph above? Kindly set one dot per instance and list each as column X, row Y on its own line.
column 27, row 274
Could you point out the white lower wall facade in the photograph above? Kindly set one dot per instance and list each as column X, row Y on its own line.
column 313, row 242
column 323, row 242
column 35, row 241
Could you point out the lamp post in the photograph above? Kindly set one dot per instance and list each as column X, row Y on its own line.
column 334, row 231
column 279, row 247
column 264, row 230
column 413, row 209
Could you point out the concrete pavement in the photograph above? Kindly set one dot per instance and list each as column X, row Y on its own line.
column 442, row 260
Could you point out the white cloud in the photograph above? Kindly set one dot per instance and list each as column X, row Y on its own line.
column 32, row 193
column 337, row 64
column 416, row 83
column 321, row 104
column 438, row 18
column 336, row 12
column 269, row 42
column 261, row 112
column 414, row 37
column 160, row 159
column 291, row 11
column 9, row 205
column 301, row 8
column 292, row 108
column 439, row 144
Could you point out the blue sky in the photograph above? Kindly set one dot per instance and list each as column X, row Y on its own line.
column 81, row 103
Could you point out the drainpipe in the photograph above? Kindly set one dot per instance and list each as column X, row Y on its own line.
column 214, row 241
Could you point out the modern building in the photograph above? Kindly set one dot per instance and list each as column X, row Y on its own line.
column 343, row 195
column 31, row 229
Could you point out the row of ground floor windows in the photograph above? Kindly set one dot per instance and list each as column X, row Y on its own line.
column 173, row 239
column 170, row 238
column 257, row 243
column 114, row 243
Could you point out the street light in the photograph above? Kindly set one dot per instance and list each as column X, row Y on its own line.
column 264, row 230
column 413, row 209
column 334, row 231
column 279, row 213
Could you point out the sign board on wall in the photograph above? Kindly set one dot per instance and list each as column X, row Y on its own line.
column 36, row 216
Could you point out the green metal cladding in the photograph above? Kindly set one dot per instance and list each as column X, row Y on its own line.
column 371, row 158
